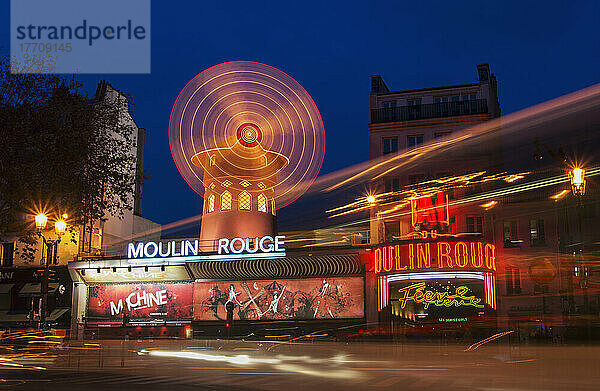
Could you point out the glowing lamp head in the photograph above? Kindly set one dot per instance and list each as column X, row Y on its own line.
column 371, row 199
column 60, row 227
column 577, row 176
column 40, row 221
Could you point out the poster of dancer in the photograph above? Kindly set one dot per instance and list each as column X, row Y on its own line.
column 279, row 299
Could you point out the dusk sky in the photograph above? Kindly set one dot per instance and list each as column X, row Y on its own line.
column 537, row 52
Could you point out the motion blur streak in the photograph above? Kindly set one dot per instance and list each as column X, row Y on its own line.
column 569, row 104
column 524, row 187
column 283, row 363
column 489, row 339
column 241, row 359
column 336, row 374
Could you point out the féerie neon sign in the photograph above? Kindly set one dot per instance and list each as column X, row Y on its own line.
column 418, row 294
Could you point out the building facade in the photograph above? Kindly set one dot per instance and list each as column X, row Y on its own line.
column 544, row 277
column 22, row 274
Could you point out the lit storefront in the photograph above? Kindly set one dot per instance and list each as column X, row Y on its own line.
column 436, row 281
column 435, row 278
column 171, row 296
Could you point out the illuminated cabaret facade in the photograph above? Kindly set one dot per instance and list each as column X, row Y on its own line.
column 238, row 275
column 188, row 293
column 435, row 281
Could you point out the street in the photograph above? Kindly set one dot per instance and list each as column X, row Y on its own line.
column 238, row 365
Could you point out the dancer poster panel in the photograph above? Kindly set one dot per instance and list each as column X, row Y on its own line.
column 281, row 299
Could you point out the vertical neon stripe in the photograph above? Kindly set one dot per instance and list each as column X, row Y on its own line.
column 382, row 293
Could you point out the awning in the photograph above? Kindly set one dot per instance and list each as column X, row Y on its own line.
column 308, row 266
column 35, row 288
column 5, row 288
column 7, row 317
column 57, row 313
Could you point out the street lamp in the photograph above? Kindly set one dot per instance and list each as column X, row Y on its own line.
column 60, row 226
column 577, row 176
column 40, row 221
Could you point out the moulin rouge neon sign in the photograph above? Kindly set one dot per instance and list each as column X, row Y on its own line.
column 185, row 248
column 428, row 255
column 418, row 294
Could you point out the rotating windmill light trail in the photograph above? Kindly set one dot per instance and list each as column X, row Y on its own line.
column 211, row 108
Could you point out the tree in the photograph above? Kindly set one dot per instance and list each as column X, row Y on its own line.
column 62, row 151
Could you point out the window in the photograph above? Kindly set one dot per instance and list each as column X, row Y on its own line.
column 509, row 232
column 8, row 253
column 414, row 102
column 245, row 201
column 392, row 230
column 475, row 224
column 465, row 97
column 537, row 236
column 226, row 201
column 441, row 134
column 211, row 203
column 391, row 184
column 262, row 203
column 389, row 104
column 452, row 224
column 513, row 280
column 440, row 99
column 456, row 98
column 473, row 96
column 414, row 141
column 415, row 179
column 390, row 145
column 473, row 189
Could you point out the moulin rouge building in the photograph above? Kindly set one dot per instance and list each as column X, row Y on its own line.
column 246, row 159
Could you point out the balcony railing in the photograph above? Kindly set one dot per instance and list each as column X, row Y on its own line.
column 434, row 110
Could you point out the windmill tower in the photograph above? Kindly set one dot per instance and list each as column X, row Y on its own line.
column 239, row 188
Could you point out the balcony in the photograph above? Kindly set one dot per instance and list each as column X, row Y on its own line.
column 434, row 110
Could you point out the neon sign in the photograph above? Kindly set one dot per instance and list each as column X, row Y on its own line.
column 427, row 255
column 185, row 248
column 418, row 294
column 266, row 244
column 139, row 300
column 429, row 210
column 161, row 249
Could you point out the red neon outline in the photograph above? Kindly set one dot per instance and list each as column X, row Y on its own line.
column 241, row 140
column 277, row 69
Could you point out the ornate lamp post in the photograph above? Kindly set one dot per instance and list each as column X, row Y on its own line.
column 577, row 177
column 52, row 244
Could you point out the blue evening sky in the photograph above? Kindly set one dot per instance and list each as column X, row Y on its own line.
column 538, row 51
